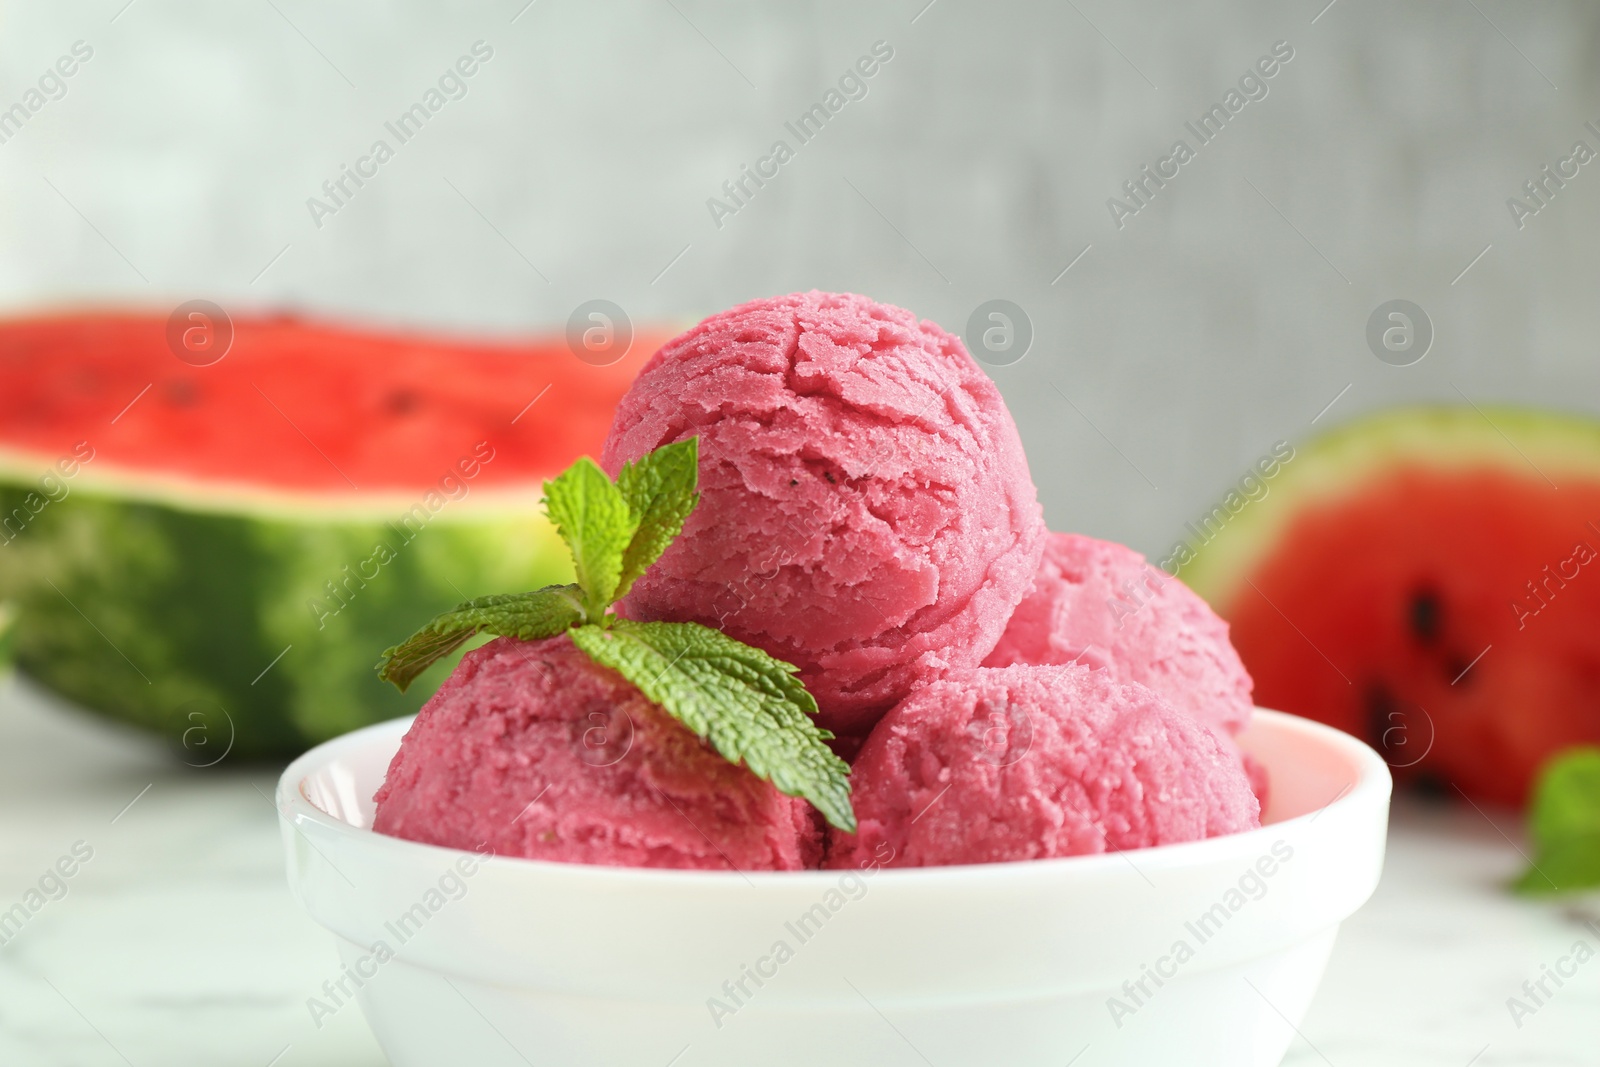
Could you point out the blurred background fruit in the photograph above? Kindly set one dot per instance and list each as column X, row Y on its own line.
column 1427, row 579
column 223, row 537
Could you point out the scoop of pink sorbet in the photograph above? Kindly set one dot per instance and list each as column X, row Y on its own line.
column 1101, row 604
column 532, row 749
column 866, row 510
column 1021, row 763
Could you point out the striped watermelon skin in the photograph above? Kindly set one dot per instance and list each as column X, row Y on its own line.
column 180, row 619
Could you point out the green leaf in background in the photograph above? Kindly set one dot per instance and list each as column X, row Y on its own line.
column 1564, row 823
column 750, row 706
column 528, row 616
column 660, row 491
column 597, row 524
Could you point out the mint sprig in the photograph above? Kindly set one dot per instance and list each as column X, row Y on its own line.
column 1564, row 823
column 528, row 616
column 748, row 705
column 597, row 524
column 660, row 489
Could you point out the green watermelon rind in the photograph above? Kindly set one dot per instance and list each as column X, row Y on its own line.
column 1536, row 444
column 8, row 635
column 25, row 469
column 144, row 609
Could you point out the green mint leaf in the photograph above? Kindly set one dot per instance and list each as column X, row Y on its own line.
column 597, row 525
column 1563, row 868
column 660, row 490
column 750, row 706
column 1564, row 823
column 529, row 616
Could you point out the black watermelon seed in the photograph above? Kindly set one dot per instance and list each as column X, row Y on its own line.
column 829, row 475
column 1381, row 708
column 181, row 393
column 1424, row 615
column 401, row 401
column 1430, row 786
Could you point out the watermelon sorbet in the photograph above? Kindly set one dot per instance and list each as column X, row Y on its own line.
column 1021, row 763
column 866, row 514
column 866, row 511
column 532, row 749
column 1103, row 605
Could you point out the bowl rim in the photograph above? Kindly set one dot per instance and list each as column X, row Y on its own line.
column 1372, row 785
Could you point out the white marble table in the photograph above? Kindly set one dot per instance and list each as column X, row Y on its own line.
column 178, row 942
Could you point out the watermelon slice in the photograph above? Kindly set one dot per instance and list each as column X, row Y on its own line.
column 1428, row 579
column 245, row 537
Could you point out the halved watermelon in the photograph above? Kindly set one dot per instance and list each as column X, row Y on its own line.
column 230, row 546
column 1428, row 579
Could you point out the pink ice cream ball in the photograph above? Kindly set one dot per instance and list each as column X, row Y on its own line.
column 1023, row 763
column 532, row 749
column 866, row 510
column 1103, row 605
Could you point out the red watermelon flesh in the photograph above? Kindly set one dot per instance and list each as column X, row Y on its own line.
column 303, row 407
column 1446, row 610
column 236, row 542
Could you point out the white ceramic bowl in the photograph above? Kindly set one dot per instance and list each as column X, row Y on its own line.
column 1203, row 953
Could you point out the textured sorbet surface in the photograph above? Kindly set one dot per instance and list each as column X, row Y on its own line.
column 1101, row 604
column 866, row 510
column 534, row 750
column 1021, row 763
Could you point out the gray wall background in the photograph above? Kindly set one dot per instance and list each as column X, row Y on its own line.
column 1224, row 316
